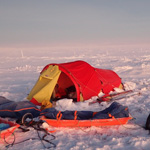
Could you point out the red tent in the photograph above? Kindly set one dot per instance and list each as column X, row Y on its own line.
column 88, row 81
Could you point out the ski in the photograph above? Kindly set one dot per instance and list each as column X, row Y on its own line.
column 114, row 96
column 121, row 93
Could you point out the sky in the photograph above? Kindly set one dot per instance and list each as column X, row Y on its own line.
column 46, row 23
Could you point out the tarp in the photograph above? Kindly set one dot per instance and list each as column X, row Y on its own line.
column 114, row 110
column 16, row 110
column 87, row 80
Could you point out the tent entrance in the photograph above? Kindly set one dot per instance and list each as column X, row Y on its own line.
column 64, row 88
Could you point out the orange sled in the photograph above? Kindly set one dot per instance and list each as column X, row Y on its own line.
column 86, row 123
column 7, row 132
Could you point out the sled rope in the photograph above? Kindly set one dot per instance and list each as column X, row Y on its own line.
column 6, row 143
column 134, row 128
column 36, row 126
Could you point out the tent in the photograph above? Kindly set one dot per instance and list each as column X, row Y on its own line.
column 84, row 80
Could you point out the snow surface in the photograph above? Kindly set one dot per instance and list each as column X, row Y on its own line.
column 19, row 70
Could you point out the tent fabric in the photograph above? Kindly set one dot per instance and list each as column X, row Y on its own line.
column 13, row 109
column 109, row 79
column 44, row 87
column 114, row 110
column 88, row 81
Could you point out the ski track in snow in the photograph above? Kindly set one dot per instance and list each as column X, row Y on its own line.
column 18, row 74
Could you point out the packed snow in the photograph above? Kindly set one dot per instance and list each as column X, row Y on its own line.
column 19, row 70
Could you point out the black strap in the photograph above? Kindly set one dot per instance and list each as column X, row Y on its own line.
column 36, row 126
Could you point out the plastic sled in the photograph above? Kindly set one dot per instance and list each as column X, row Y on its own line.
column 86, row 123
column 7, row 132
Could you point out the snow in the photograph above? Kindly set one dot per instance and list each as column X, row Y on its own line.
column 19, row 70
